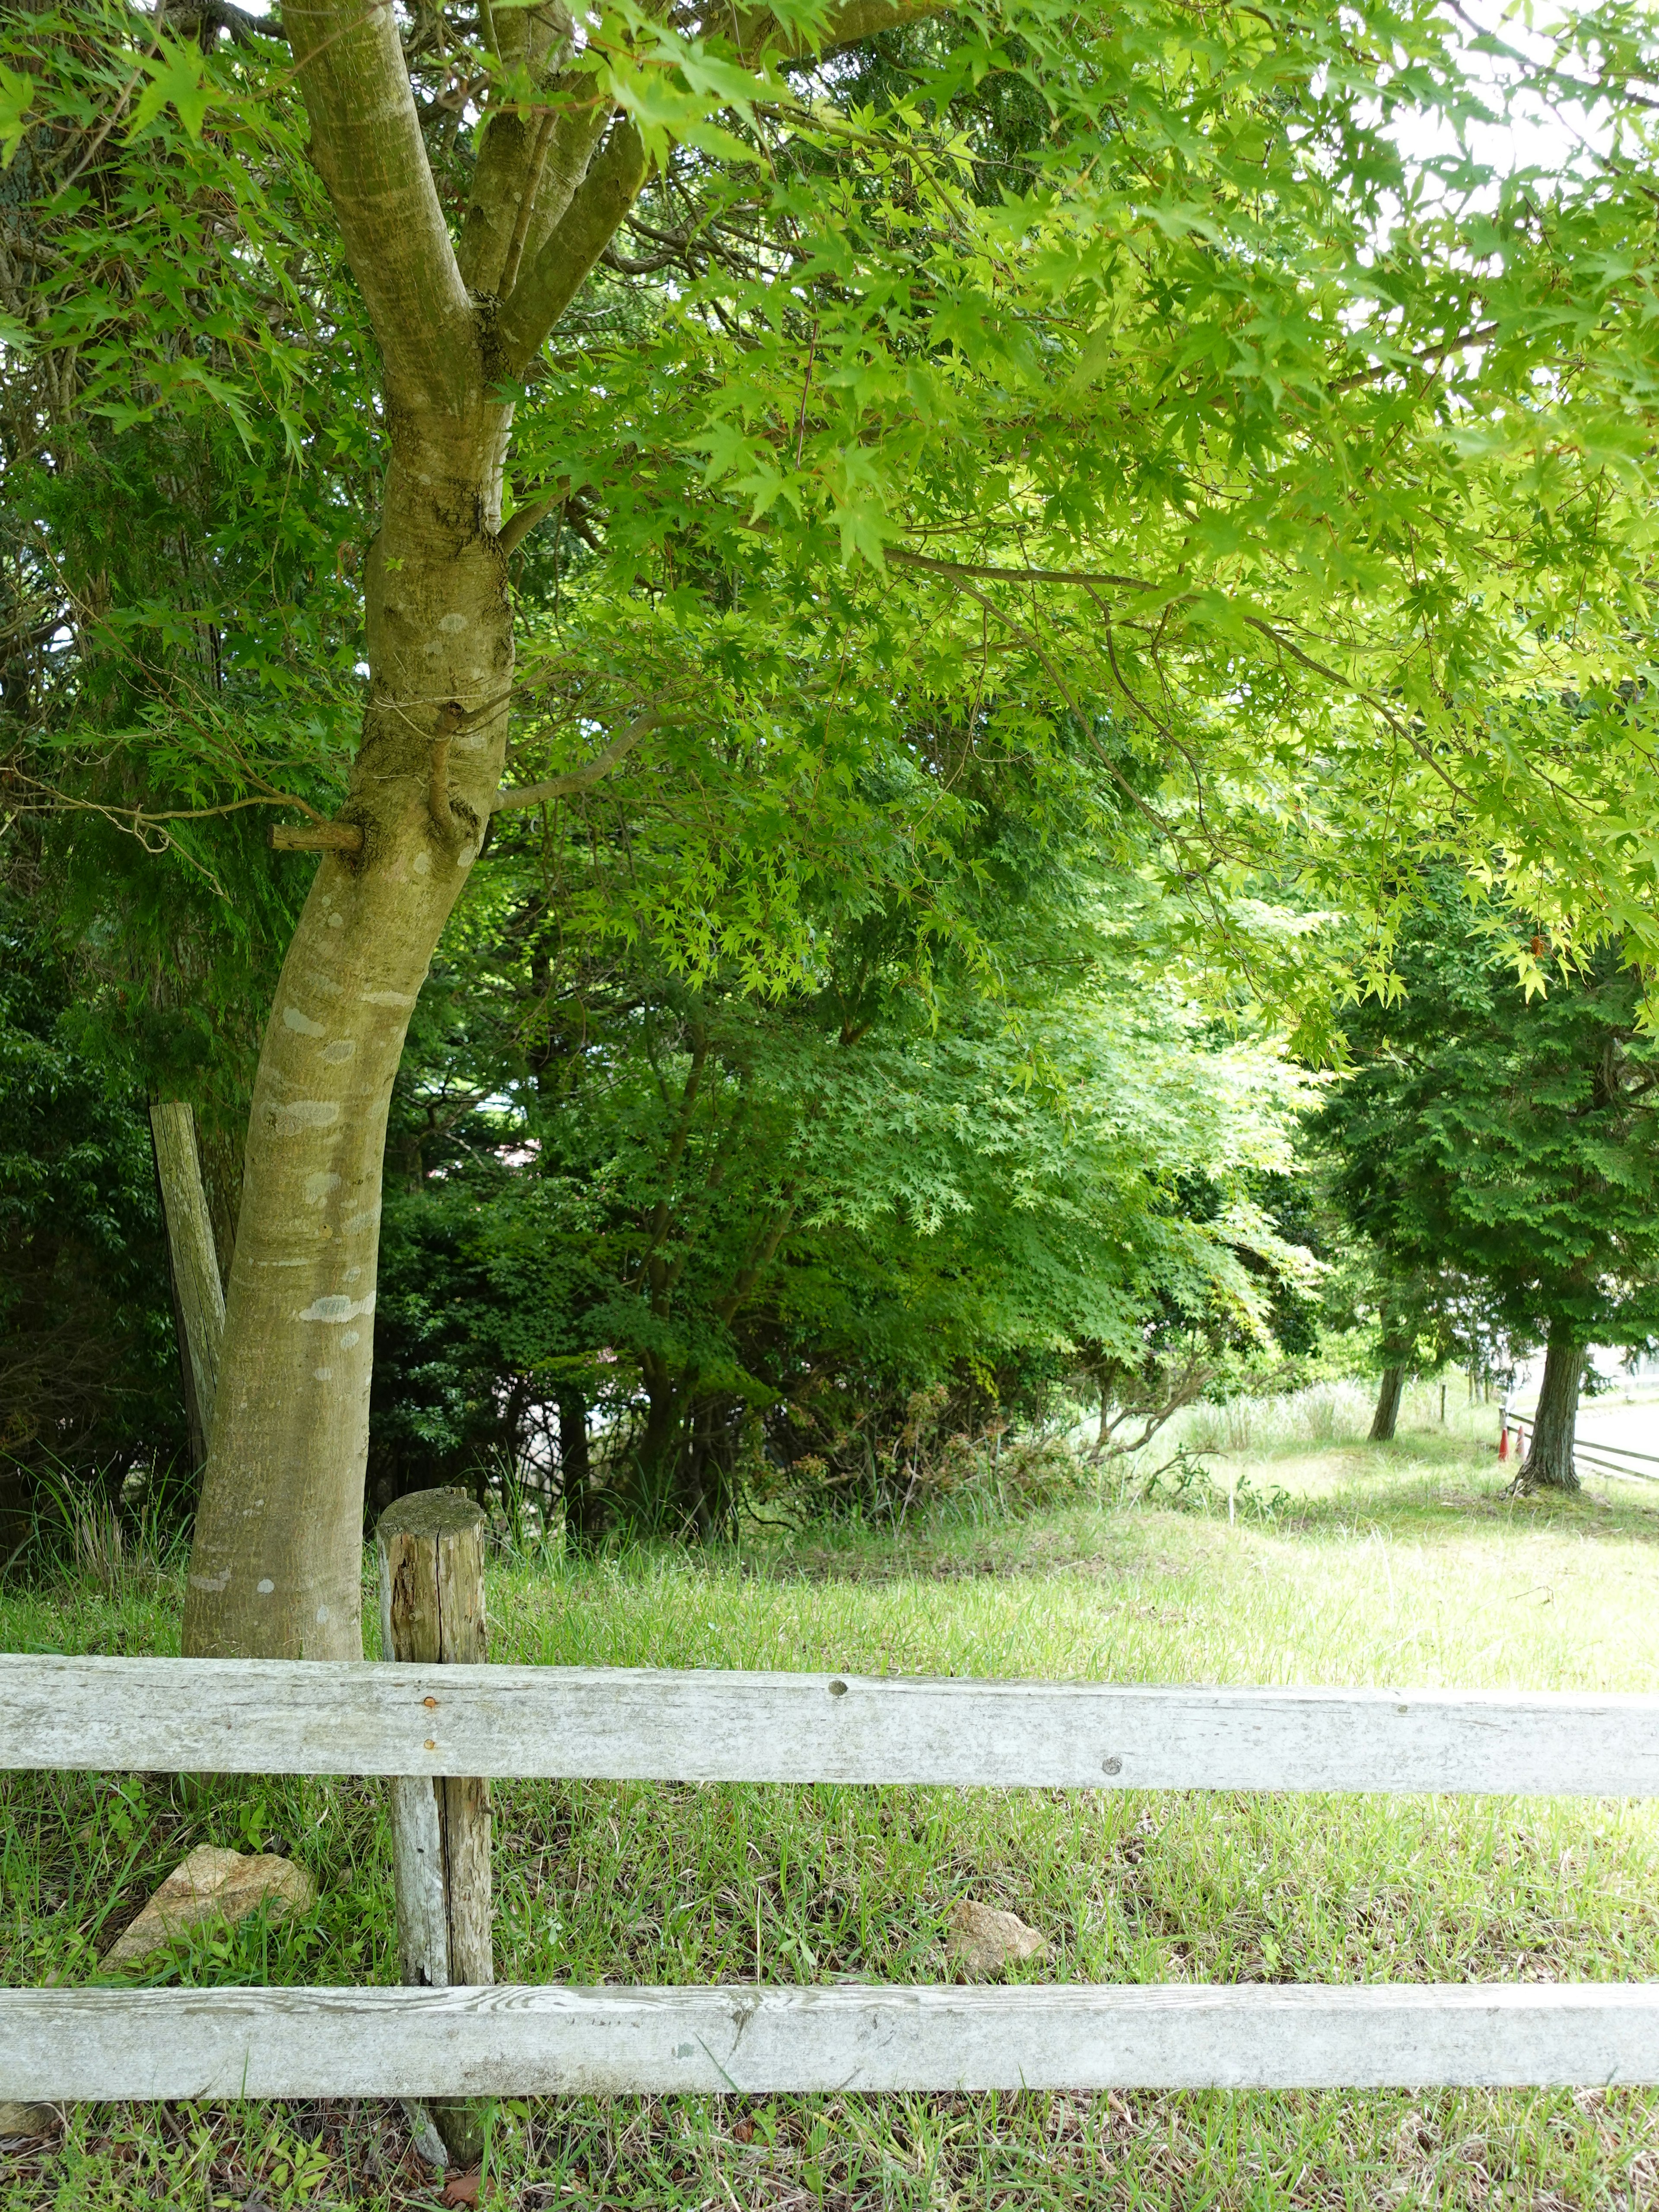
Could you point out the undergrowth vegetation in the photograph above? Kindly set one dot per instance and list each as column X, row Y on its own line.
column 1403, row 1563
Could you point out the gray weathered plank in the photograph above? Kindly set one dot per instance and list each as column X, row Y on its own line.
column 226, row 1715
column 506, row 2040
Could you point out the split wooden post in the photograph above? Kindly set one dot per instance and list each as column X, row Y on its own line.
column 198, row 1297
column 432, row 1610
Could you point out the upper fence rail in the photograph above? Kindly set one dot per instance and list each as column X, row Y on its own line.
column 277, row 1716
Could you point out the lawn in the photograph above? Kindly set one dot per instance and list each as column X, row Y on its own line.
column 1343, row 1563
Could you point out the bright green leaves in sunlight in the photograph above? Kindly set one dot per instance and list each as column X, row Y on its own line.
column 1114, row 393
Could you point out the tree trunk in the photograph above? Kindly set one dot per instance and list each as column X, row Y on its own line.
column 706, row 1487
column 198, row 1302
column 1549, row 1464
column 276, row 1567
column 1387, row 1405
column 656, row 1455
column 582, row 1520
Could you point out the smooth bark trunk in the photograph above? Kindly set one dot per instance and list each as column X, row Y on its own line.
column 1385, row 1419
column 275, row 1572
column 656, row 1454
column 1549, row 1464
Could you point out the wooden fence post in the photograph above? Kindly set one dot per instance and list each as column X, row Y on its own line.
column 198, row 1297
column 432, row 1610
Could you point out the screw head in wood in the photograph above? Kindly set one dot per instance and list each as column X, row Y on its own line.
column 838, row 1688
column 1114, row 1764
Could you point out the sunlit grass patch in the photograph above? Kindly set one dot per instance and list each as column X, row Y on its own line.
column 1404, row 1564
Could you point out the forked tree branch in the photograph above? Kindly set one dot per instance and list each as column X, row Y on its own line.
column 366, row 141
column 551, row 280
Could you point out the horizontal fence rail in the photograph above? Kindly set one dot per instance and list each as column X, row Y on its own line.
column 411, row 1720
column 507, row 2041
column 278, row 1717
column 1590, row 1451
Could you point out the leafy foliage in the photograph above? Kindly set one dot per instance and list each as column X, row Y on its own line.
column 1507, row 1136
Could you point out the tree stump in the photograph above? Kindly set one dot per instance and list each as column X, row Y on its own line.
column 431, row 1611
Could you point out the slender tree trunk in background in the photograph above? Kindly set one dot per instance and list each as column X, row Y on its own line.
column 221, row 1158
column 198, row 1302
column 581, row 1505
column 1387, row 1405
column 657, row 1452
column 1549, row 1464
column 706, row 1491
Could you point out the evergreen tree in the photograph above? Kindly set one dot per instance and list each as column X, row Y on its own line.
column 1510, row 1135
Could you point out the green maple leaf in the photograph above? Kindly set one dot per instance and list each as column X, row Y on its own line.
column 16, row 96
column 177, row 79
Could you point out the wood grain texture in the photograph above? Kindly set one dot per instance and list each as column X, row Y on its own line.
column 417, row 1864
column 232, row 1716
column 431, row 1547
column 511, row 2041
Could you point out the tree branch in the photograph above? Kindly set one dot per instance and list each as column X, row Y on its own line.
column 529, row 169
column 366, row 141
column 589, row 221
column 759, row 29
column 578, row 778
column 316, row 837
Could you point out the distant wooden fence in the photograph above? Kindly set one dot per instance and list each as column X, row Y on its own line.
column 1589, row 1452
column 266, row 1717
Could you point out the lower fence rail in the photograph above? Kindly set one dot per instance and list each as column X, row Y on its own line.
column 511, row 2040
column 439, row 1722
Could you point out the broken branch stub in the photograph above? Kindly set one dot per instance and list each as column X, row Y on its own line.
column 316, row 837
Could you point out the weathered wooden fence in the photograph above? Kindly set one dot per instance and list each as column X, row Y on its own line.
column 1590, row 1455
column 440, row 1721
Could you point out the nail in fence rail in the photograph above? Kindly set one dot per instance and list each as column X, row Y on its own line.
column 281, row 1717
column 440, row 1720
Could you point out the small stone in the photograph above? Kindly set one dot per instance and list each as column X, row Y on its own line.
column 212, row 1885
column 984, row 1940
column 17, row 2119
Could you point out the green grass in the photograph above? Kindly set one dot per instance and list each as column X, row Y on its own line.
column 1402, row 1563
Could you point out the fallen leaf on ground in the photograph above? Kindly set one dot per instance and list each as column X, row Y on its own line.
column 984, row 1941
column 463, row 2189
column 212, row 1885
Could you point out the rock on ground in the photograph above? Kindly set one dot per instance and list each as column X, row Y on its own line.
column 17, row 2119
column 212, row 1885
column 984, row 1941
